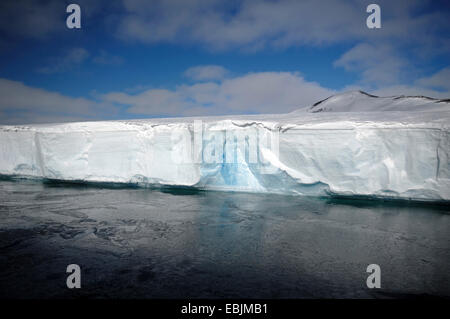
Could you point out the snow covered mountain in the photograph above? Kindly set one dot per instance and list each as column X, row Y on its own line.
column 359, row 101
column 351, row 144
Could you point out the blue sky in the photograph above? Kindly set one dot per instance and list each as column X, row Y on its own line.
column 137, row 59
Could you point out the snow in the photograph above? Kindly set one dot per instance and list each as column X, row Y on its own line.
column 351, row 144
column 358, row 101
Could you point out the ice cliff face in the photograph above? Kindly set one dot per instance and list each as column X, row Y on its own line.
column 349, row 144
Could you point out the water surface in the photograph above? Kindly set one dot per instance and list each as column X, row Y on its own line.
column 141, row 243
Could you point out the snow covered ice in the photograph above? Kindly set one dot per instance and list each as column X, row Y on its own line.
column 351, row 144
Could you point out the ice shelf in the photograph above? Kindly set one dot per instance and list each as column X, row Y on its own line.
column 351, row 144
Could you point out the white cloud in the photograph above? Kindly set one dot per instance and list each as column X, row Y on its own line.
column 437, row 85
column 206, row 72
column 440, row 80
column 271, row 92
column 410, row 35
column 377, row 63
column 26, row 104
column 252, row 24
column 71, row 59
column 244, row 24
column 265, row 92
column 150, row 102
column 221, row 24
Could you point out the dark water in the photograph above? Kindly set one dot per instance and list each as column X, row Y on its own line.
column 140, row 243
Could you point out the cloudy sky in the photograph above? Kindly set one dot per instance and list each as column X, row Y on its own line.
column 143, row 58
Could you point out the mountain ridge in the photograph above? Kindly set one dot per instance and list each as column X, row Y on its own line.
column 360, row 101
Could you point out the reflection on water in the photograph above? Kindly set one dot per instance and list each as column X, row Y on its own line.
column 140, row 243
